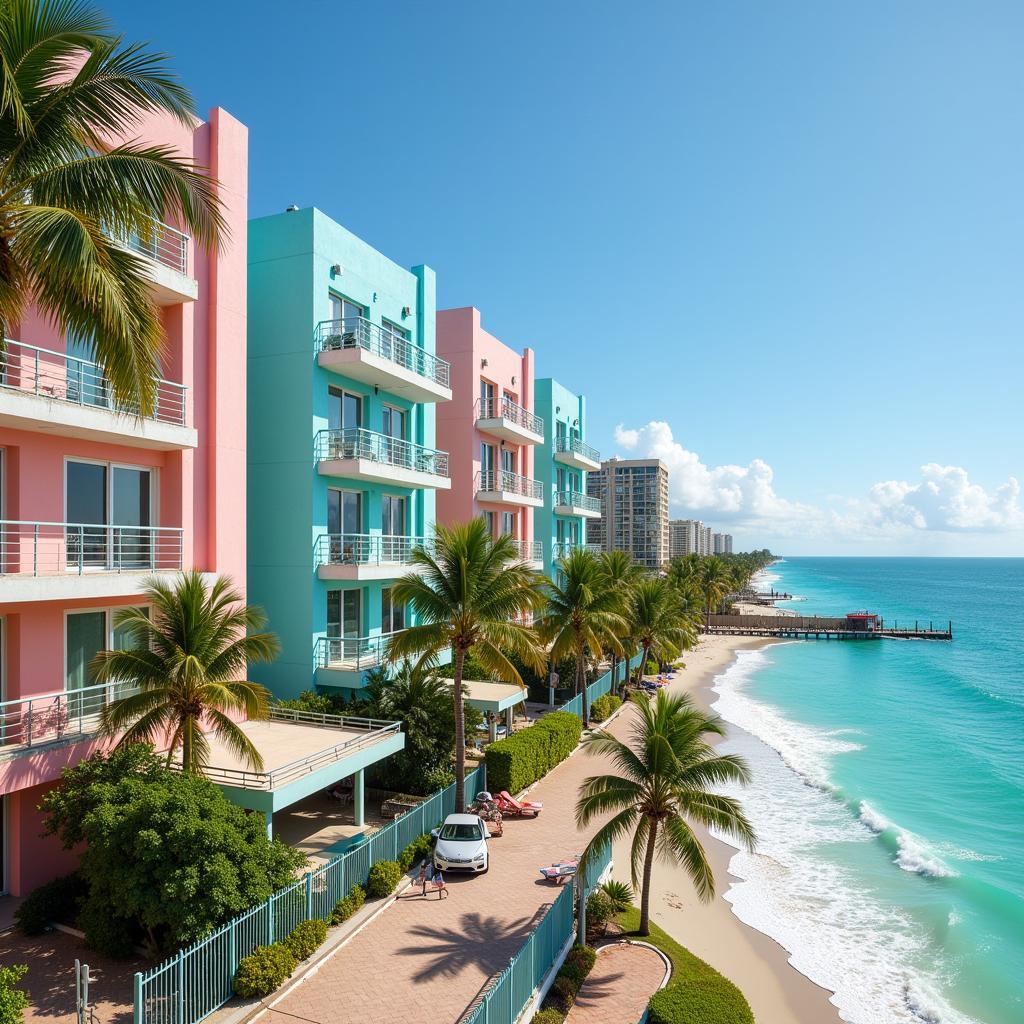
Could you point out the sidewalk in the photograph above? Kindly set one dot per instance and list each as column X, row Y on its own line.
column 617, row 990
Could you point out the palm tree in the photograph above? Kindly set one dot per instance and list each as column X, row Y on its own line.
column 715, row 582
column 621, row 574
column 661, row 782
column 465, row 596
column 658, row 622
column 187, row 660
column 582, row 616
column 69, row 197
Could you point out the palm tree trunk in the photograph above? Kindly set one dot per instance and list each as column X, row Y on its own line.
column 186, row 746
column 645, row 891
column 643, row 662
column 460, row 734
column 581, row 686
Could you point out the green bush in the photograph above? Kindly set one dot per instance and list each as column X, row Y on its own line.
column 651, row 668
column 13, row 1001
column 307, row 938
column 549, row 1015
column 437, row 779
column 700, row 1000
column 357, row 896
column 417, row 850
column 578, row 964
column 528, row 755
column 604, row 707
column 384, row 878
column 265, row 969
column 562, row 993
column 348, row 905
column 58, row 900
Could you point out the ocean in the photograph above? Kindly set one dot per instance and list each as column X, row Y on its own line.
column 888, row 790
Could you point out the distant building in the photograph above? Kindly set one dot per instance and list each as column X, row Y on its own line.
column 707, row 546
column 633, row 497
column 684, row 537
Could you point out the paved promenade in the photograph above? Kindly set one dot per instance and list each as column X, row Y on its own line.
column 617, row 989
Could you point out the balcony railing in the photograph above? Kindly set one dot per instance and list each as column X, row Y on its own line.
column 351, row 653
column 367, row 548
column 562, row 548
column 505, row 408
column 577, row 499
column 65, row 378
column 511, row 483
column 66, row 549
column 357, row 332
column 358, row 443
column 529, row 550
column 56, row 717
column 575, row 446
column 165, row 245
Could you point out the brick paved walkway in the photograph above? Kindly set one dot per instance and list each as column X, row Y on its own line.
column 617, row 989
column 427, row 959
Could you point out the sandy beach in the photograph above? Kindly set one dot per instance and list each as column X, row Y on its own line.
column 778, row 994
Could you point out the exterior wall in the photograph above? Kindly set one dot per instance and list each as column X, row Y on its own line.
column 634, row 509
column 291, row 279
column 466, row 345
column 200, row 490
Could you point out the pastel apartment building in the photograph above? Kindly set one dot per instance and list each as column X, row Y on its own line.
column 490, row 431
column 94, row 499
column 344, row 381
column 563, row 463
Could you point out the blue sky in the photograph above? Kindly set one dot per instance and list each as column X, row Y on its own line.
column 781, row 245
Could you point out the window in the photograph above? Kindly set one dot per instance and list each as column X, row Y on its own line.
column 489, row 521
column 486, row 399
column 87, row 633
column 392, row 510
column 344, row 410
column 85, row 379
column 344, row 523
column 394, row 422
column 508, row 523
column 344, row 617
column 392, row 616
column 508, row 460
column 487, row 466
column 393, row 341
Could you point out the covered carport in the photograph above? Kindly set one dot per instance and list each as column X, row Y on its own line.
column 493, row 699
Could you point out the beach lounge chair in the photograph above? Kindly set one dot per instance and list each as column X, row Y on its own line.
column 508, row 804
column 559, row 873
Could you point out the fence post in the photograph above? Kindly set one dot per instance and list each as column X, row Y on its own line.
column 232, row 949
column 270, row 921
column 309, row 894
column 181, row 986
column 137, row 1010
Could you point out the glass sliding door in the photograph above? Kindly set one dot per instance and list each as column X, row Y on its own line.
column 397, row 453
column 85, row 382
column 487, row 481
column 85, row 637
column 394, row 544
column 392, row 616
column 344, row 524
column 345, row 415
column 86, row 513
column 131, row 494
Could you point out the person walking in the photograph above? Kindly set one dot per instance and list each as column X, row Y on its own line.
column 424, row 876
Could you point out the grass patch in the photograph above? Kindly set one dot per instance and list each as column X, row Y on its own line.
column 696, row 993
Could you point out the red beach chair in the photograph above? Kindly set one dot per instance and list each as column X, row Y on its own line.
column 558, row 874
column 510, row 805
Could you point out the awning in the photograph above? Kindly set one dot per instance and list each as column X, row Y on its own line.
column 489, row 696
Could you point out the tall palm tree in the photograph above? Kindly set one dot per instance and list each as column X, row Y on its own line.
column 465, row 596
column 187, row 660
column 662, row 781
column 715, row 582
column 71, row 191
column 658, row 622
column 582, row 616
column 620, row 574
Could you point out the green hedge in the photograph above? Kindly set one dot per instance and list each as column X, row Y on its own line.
column 560, row 998
column 265, row 969
column 528, row 755
column 384, row 878
column 604, row 707
column 58, row 900
column 306, row 939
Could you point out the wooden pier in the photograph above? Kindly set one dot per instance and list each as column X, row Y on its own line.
column 818, row 627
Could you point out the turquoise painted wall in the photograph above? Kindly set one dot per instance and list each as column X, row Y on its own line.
column 291, row 256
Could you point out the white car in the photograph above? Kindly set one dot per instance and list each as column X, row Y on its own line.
column 462, row 844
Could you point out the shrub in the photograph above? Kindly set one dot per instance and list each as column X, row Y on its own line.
column 58, row 900
column 549, row 1015
column 578, row 964
column 562, row 993
column 266, row 968
column 620, row 893
column 528, row 755
column 651, row 668
column 437, row 779
column 384, row 878
column 357, row 896
column 13, row 1001
column 417, row 850
column 600, row 910
column 702, row 999
column 307, row 938
column 348, row 905
column 604, row 707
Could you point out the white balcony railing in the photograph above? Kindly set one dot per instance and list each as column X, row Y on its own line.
column 563, row 548
column 358, row 443
column 357, row 332
column 505, row 408
column 351, row 653
column 367, row 548
column 529, row 550
column 66, row 549
column 65, row 378
column 165, row 245
column 575, row 446
column 509, row 483
column 577, row 499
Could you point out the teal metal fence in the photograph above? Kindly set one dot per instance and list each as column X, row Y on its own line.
column 200, row 978
column 600, row 686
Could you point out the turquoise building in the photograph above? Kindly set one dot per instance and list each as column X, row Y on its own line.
column 561, row 464
column 342, row 464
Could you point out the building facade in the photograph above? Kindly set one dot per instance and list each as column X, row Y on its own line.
column 563, row 465
column 94, row 500
column 722, row 543
column 633, row 499
column 344, row 381
column 490, row 431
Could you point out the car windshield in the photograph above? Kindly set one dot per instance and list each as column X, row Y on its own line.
column 461, row 833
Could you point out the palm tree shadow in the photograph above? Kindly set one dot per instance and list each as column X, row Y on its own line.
column 593, row 990
column 485, row 941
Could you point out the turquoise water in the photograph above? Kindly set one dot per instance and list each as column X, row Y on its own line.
column 889, row 791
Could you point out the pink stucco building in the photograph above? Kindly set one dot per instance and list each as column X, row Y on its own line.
column 93, row 499
column 489, row 431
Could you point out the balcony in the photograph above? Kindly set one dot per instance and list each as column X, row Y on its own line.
column 66, row 561
column 576, row 503
column 364, row 351
column 365, row 556
column 506, row 488
column 502, row 418
column 571, row 451
column 359, row 454
column 531, row 551
column 166, row 254
column 52, row 392
column 562, row 548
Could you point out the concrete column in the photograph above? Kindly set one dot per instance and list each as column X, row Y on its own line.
column 492, row 727
column 508, row 720
column 358, row 798
column 270, row 823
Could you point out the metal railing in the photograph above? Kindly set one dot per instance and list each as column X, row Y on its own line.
column 505, row 408
column 367, row 548
column 574, row 446
column 577, row 499
column 66, row 549
column 65, row 378
column 530, row 550
column 56, row 717
column 561, row 548
column 351, row 653
column 510, row 483
column 358, row 332
column 359, row 443
column 165, row 245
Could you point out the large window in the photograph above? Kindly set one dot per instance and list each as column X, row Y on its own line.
column 86, row 633
column 344, row 410
column 393, row 341
column 392, row 515
column 344, row 618
column 392, row 616
column 508, row 523
column 103, row 502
